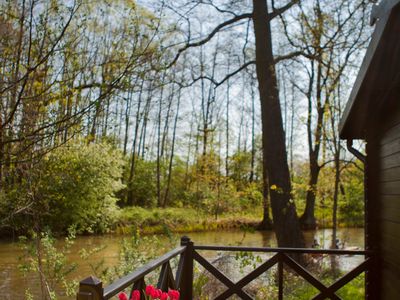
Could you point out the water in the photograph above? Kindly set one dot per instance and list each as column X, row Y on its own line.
column 13, row 284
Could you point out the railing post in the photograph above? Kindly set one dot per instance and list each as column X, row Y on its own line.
column 371, row 278
column 90, row 288
column 187, row 270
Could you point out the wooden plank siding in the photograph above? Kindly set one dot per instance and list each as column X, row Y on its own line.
column 388, row 290
column 390, row 175
column 388, row 198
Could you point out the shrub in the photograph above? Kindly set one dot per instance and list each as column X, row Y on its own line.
column 75, row 185
column 143, row 185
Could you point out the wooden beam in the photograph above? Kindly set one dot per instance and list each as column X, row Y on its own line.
column 307, row 275
column 252, row 275
column 232, row 288
column 343, row 281
column 379, row 10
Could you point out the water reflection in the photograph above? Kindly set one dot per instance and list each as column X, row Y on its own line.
column 13, row 284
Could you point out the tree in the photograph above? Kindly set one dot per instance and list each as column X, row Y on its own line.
column 330, row 39
column 286, row 224
column 275, row 165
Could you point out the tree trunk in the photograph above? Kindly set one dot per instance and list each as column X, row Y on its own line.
column 127, row 119
column 171, row 158
column 1, row 152
column 266, row 222
column 286, row 225
column 335, row 199
column 308, row 220
column 227, row 129
column 159, row 146
column 253, row 140
column 130, row 198
column 143, row 132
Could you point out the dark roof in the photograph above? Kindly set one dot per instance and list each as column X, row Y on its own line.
column 380, row 67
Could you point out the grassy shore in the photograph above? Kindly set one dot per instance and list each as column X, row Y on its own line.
column 179, row 220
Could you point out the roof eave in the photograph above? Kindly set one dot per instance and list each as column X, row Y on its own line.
column 350, row 126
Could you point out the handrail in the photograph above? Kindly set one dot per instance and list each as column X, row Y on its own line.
column 284, row 250
column 129, row 279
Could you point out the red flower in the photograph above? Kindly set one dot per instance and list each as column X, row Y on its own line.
column 159, row 293
column 135, row 295
column 174, row 294
column 122, row 296
column 156, row 293
column 149, row 290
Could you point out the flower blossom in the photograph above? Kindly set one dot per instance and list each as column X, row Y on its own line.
column 135, row 295
column 122, row 296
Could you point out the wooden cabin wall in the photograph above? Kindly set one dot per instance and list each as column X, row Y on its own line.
column 386, row 195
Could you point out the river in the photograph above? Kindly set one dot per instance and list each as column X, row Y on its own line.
column 13, row 284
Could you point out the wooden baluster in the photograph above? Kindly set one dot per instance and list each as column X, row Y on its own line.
column 139, row 285
column 90, row 288
column 280, row 278
column 178, row 275
column 186, row 277
column 166, row 279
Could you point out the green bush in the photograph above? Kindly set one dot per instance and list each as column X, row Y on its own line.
column 251, row 196
column 351, row 204
column 143, row 185
column 350, row 197
column 78, row 183
column 40, row 257
column 141, row 217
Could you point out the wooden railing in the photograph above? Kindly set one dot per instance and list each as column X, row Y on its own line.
column 91, row 287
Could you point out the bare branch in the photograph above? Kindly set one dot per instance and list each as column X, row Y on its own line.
column 218, row 83
column 244, row 66
column 279, row 11
column 219, row 9
column 291, row 55
column 210, row 36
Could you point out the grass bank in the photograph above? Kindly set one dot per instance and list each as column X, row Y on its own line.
column 180, row 220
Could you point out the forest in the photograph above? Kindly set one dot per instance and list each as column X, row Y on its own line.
column 178, row 116
column 114, row 108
